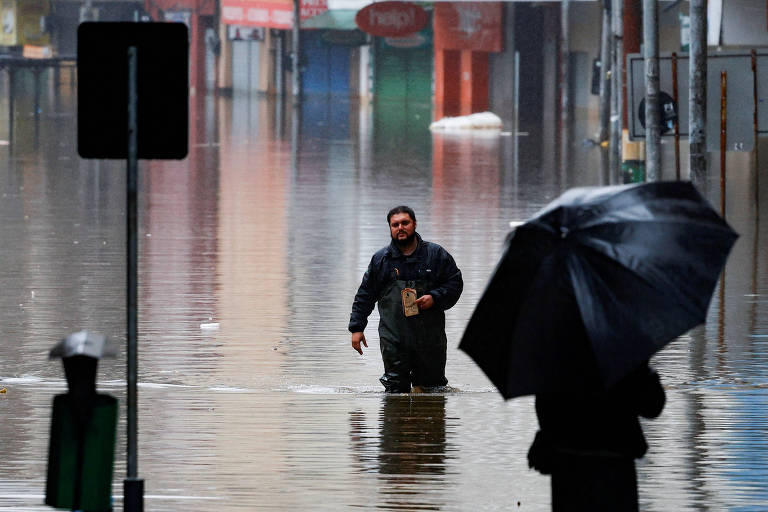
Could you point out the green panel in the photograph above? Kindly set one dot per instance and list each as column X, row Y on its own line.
column 97, row 449
column 390, row 75
column 420, row 75
column 403, row 73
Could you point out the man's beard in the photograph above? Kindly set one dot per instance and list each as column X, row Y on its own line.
column 405, row 242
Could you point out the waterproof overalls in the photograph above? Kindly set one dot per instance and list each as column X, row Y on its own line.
column 413, row 348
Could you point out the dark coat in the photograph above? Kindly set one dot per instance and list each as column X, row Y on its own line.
column 601, row 424
column 429, row 262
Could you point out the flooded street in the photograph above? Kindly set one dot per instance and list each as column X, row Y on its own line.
column 266, row 229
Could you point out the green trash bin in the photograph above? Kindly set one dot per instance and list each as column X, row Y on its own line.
column 85, row 444
column 81, row 452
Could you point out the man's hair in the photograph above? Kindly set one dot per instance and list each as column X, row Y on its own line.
column 401, row 209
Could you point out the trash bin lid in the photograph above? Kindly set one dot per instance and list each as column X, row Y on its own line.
column 84, row 343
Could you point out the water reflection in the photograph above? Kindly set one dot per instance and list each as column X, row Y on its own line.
column 265, row 229
column 409, row 452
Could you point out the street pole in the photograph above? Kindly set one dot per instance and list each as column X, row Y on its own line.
column 697, row 93
column 617, row 103
column 652, row 117
column 605, row 74
column 295, row 54
column 133, row 487
column 565, row 51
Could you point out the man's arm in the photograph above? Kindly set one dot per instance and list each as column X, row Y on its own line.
column 365, row 300
column 449, row 282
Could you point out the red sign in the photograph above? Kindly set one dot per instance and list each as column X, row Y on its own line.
column 391, row 19
column 468, row 26
column 272, row 13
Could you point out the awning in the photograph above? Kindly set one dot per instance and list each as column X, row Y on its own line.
column 335, row 19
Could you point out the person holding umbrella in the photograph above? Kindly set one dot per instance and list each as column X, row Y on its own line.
column 585, row 293
column 414, row 282
column 589, row 441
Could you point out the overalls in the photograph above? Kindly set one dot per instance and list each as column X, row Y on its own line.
column 413, row 348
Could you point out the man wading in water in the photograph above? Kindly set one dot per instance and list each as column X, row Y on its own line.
column 414, row 282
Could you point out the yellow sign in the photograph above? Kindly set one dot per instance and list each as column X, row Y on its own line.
column 24, row 22
column 31, row 27
column 8, row 20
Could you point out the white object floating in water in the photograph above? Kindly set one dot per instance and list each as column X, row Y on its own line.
column 478, row 121
column 209, row 326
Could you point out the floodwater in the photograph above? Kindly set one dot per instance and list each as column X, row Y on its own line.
column 251, row 250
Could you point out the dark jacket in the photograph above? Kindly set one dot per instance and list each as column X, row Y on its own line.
column 429, row 262
column 600, row 424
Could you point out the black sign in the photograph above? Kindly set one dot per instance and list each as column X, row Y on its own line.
column 667, row 112
column 102, row 89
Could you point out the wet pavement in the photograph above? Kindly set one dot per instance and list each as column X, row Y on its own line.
column 251, row 250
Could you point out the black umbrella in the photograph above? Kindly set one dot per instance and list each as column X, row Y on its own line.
column 595, row 284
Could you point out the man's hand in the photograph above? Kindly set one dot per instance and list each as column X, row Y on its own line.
column 425, row 302
column 357, row 338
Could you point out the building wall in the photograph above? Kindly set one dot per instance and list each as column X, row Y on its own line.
column 65, row 17
column 745, row 23
column 502, row 72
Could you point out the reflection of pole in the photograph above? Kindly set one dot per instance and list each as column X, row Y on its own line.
column 721, row 313
column 605, row 66
column 565, row 51
column 697, row 95
column 11, row 103
column 36, row 72
column 133, row 488
column 754, row 130
column 677, row 123
column 279, row 52
column 652, row 119
column 295, row 140
column 723, row 136
column 296, row 75
column 617, row 104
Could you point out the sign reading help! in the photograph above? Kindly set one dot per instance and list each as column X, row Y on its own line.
column 391, row 19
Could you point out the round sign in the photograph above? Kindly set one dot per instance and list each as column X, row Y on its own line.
column 667, row 112
column 391, row 19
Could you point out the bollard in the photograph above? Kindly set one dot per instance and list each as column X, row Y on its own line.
column 83, row 425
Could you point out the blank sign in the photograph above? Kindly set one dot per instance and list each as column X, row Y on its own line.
column 163, row 89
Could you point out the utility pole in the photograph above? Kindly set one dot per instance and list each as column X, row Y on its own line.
column 697, row 93
column 617, row 103
column 605, row 74
column 652, row 117
column 565, row 51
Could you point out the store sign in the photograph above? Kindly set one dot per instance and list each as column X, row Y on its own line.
column 272, row 14
column 391, row 19
column 472, row 26
column 24, row 22
column 311, row 8
column 343, row 38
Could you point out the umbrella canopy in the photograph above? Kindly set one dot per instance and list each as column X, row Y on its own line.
column 83, row 343
column 595, row 284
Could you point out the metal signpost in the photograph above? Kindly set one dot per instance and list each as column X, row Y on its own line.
column 133, row 102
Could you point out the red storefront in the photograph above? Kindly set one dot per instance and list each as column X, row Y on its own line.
column 198, row 15
column 465, row 34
